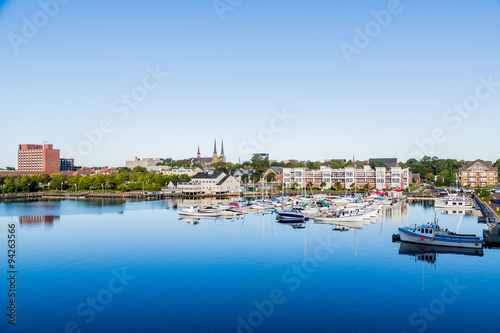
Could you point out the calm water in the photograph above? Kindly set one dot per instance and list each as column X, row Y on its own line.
column 112, row 266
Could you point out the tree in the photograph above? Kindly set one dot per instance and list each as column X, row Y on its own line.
column 366, row 187
column 271, row 177
column 294, row 185
column 260, row 164
column 378, row 164
column 10, row 168
column 322, row 185
column 338, row 185
column 309, row 185
column 255, row 178
column 244, row 178
column 440, row 181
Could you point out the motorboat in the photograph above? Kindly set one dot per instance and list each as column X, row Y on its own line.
column 433, row 234
column 292, row 214
column 195, row 210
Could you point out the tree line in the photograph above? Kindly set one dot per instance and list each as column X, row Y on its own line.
column 126, row 180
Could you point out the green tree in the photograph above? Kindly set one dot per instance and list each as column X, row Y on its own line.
column 338, row 186
column 322, row 185
column 244, row 178
column 271, row 177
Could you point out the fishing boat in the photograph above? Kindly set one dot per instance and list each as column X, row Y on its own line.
column 433, row 234
column 195, row 210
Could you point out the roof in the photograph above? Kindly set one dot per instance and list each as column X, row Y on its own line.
column 390, row 162
column 277, row 169
column 223, row 180
column 202, row 175
column 468, row 164
column 176, row 182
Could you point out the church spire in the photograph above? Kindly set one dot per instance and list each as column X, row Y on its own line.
column 215, row 147
column 222, row 152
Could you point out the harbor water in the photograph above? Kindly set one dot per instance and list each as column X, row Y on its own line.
column 129, row 266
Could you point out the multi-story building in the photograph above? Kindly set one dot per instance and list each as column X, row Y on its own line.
column 38, row 158
column 380, row 178
column 66, row 164
column 208, row 183
column 277, row 171
column 145, row 162
column 478, row 174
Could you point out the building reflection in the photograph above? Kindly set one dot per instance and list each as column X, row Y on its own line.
column 47, row 220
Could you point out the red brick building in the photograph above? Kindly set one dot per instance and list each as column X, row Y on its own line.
column 38, row 158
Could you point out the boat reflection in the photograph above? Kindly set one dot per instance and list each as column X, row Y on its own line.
column 428, row 253
column 459, row 211
column 196, row 220
column 343, row 225
column 294, row 223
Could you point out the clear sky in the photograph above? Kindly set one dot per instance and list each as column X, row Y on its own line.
column 234, row 65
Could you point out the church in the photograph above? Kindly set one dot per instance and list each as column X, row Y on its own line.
column 210, row 160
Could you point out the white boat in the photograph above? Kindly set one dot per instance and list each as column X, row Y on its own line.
column 432, row 234
column 454, row 203
column 195, row 210
column 339, row 216
column 293, row 214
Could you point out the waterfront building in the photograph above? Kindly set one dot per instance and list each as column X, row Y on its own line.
column 478, row 174
column 378, row 178
column 243, row 171
column 278, row 174
column 208, row 183
column 145, row 162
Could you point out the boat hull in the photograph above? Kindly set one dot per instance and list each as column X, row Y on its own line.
column 468, row 242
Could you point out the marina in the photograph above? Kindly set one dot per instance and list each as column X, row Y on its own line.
column 245, row 257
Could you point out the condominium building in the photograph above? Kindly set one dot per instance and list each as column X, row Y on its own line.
column 379, row 178
column 478, row 173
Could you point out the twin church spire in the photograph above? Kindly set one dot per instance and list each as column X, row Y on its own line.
column 215, row 157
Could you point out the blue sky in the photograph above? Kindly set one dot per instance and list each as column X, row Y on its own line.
column 228, row 78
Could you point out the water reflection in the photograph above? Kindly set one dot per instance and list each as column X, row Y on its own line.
column 295, row 224
column 47, row 220
column 429, row 253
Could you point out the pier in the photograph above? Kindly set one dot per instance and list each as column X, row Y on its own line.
column 491, row 235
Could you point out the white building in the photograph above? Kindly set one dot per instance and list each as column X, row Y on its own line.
column 208, row 183
column 380, row 178
column 145, row 162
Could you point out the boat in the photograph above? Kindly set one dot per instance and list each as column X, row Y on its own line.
column 433, row 234
column 292, row 214
column 455, row 202
column 340, row 215
column 195, row 210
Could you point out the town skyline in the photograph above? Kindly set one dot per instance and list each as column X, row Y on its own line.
column 345, row 91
